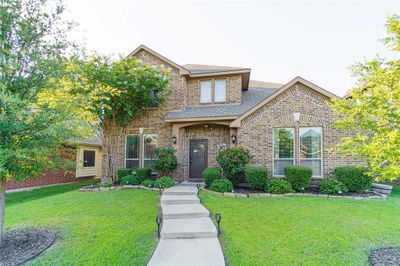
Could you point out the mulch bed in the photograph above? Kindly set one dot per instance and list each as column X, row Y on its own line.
column 22, row 245
column 385, row 257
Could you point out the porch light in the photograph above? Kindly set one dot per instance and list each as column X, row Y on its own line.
column 174, row 139
column 218, row 219
column 233, row 138
column 158, row 221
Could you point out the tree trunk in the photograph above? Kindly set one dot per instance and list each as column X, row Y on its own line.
column 2, row 206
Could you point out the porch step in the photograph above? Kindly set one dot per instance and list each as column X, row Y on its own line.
column 173, row 211
column 188, row 228
column 179, row 199
column 181, row 190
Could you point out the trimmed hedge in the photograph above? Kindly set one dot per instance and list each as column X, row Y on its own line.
column 129, row 180
column 256, row 176
column 147, row 183
column 164, row 182
column 143, row 174
column 210, row 174
column 233, row 162
column 221, row 185
column 123, row 172
column 331, row 186
column 354, row 178
column 278, row 186
column 298, row 176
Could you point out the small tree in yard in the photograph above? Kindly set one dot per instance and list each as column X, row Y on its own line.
column 233, row 162
column 165, row 160
column 33, row 48
column 371, row 112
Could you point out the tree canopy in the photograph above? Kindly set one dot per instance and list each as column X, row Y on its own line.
column 370, row 112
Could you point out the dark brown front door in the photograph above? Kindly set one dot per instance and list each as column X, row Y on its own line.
column 197, row 157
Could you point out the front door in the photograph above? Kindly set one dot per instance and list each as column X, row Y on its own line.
column 197, row 157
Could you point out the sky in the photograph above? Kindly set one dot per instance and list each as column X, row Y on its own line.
column 318, row 41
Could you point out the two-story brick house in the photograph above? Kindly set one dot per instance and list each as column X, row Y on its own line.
column 214, row 107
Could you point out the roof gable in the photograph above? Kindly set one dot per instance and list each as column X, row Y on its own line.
column 237, row 122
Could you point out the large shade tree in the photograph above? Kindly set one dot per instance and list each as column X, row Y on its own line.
column 370, row 112
column 33, row 51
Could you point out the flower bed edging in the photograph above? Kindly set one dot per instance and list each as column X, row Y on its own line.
column 94, row 189
column 268, row 195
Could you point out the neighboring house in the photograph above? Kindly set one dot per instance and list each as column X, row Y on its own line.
column 215, row 107
column 88, row 155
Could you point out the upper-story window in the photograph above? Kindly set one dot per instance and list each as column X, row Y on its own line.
column 213, row 90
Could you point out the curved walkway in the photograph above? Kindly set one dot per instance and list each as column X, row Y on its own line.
column 188, row 236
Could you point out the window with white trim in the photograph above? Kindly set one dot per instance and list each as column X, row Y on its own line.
column 220, row 90
column 205, row 91
column 150, row 142
column 310, row 141
column 132, row 151
column 283, row 149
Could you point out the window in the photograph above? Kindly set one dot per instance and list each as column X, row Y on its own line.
column 154, row 101
column 150, row 143
column 89, row 158
column 220, row 90
column 310, row 140
column 283, row 149
column 132, row 151
column 205, row 93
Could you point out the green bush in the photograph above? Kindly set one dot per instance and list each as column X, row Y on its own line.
column 298, row 176
column 164, row 182
column 233, row 162
column 107, row 184
column 256, row 176
column 143, row 174
column 354, row 178
column 278, row 186
column 123, row 172
column 221, row 185
column 129, row 180
column 210, row 174
column 147, row 183
column 331, row 186
column 165, row 160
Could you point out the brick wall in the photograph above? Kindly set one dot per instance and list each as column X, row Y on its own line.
column 257, row 129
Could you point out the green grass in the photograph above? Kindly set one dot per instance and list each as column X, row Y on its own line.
column 305, row 230
column 94, row 228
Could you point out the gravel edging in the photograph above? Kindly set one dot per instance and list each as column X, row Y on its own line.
column 22, row 245
column 268, row 195
column 385, row 257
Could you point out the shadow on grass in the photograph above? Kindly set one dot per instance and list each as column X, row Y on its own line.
column 23, row 196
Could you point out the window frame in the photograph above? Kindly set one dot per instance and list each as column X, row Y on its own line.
column 322, row 150
column 211, row 91
column 273, row 149
column 212, row 101
column 126, row 152
column 83, row 158
column 214, row 90
column 143, row 148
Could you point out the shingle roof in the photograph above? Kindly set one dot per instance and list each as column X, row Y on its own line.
column 95, row 140
column 204, row 69
column 250, row 98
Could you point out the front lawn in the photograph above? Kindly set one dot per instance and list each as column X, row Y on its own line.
column 95, row 228
column 305, row 230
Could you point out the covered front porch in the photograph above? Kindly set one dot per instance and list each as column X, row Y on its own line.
column 198, row 143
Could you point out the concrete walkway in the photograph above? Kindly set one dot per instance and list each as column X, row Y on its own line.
column 188, row 236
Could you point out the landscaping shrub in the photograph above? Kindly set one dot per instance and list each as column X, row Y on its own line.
column 143, row 174
column 123, row 172
column 107, row 184
column 164, row 182
column 221, row 185
column 129, row 180
column 331, row 186
column 256, row 176
column 298, row 176
column 233, row 162
column 354, row 178
column 210, row 174
column 165, row 160
column 147, row 183
column 278, row 186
